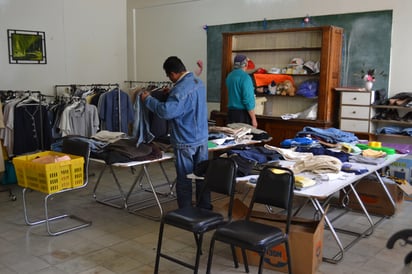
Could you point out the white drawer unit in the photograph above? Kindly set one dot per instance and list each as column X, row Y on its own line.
column 355, row 111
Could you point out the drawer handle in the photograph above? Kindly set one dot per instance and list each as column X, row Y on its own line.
column 354, row 98
column 353, row 112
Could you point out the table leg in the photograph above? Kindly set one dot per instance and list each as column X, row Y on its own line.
column 110, row 200
column 370, row 230
column 339, row 256
column 168, row 195
column 385, row 189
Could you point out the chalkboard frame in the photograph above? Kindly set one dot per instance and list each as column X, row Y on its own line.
column 366, row 44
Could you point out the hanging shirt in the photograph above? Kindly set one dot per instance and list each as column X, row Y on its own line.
column 113, row 117
column 31, row 129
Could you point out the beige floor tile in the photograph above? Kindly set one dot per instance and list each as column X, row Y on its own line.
column 121, row 242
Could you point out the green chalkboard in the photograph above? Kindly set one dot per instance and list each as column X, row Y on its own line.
column 367, row 44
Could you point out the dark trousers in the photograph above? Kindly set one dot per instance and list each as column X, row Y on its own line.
column 238, row 116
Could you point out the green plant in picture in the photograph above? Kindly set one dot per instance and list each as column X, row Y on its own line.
column 27, row 47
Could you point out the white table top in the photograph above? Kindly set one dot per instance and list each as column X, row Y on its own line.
column 324, row 188
column 244, row 142
column 165, row 156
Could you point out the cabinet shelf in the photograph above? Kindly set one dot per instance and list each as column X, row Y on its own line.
column 394, row 122
column 278, row 49
column 275, row 49
column 379, row 123
column 304, row 75
column 390, row 107
column 286, row 96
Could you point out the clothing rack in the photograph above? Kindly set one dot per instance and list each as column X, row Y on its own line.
column 73, row 87
column 23, row 94
column 148, row 83
column 19, row 93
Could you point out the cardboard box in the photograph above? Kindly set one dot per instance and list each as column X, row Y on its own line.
column 305, row 240
column 402, row 169
column 374, row 197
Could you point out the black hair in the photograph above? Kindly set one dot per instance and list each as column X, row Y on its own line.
column 173, row 64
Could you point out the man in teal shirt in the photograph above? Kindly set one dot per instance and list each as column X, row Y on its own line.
column 241, row 95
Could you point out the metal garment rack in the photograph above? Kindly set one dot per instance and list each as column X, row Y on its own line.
column 11, row 94
column 132, row 84
column 73, row 87
column 39, row 100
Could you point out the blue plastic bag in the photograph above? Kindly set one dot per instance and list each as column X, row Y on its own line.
column 308, row 88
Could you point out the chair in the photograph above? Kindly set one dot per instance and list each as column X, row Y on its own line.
column 405, row 237
column 274, row 188
column 74, row 147
column 220, row 177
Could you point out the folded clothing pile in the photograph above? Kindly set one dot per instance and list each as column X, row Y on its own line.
column 302, row 182
column 318, row 164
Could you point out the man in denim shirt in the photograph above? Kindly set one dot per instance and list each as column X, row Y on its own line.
column 186, row 109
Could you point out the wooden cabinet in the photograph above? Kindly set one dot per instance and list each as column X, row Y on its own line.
column 355, row 111
column 275, row 49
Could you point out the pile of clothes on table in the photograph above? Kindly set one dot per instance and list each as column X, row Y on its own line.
column 116, row 147
column 315, row 150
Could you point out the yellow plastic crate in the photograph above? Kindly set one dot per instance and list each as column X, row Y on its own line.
column 49, row 178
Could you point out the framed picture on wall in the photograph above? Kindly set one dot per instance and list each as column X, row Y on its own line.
column 27, row 47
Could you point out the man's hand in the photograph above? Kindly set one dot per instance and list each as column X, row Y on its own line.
column 144, row 95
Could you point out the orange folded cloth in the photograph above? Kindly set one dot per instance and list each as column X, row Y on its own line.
column 373, row 153
column 263, row 79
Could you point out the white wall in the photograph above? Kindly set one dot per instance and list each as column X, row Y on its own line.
column 176, row 28
column 85, row 42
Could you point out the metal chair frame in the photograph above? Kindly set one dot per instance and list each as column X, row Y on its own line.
column 220, row 178
column 71, row 147
column 275, row 189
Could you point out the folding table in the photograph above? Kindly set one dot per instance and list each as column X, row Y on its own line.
column 320, row 194
column 123, row 199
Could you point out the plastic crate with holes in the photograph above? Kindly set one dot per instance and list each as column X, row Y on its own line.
column 49, row 177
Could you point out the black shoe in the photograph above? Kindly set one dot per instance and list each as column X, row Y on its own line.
column 393, row 115
column 378, row 115
column 407, row 117
column 381, row 97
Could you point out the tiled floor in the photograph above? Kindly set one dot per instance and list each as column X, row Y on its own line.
column 121, row 242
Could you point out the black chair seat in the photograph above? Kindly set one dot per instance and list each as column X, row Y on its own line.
column 250, row 235
column 274, row 188
column 194, row 219
column 220, row 177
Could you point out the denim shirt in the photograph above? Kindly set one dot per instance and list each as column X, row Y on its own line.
column 186, row 108
column 141, row 127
